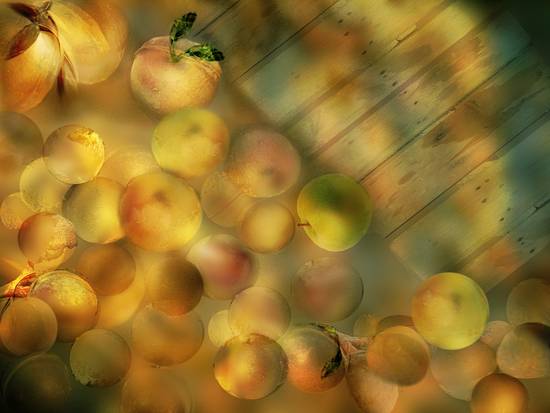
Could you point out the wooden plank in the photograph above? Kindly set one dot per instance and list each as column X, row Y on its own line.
column 368, row 92
column 496, row 262
column 475, row 128
column 407, row 111
column 481, row 208
column 349, row 37
column 252, row 29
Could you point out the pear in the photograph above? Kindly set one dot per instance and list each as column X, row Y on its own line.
column 335, row 211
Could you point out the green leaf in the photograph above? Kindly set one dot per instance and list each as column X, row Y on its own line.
column 332, row 365
column 182, row 26
column 205, row 52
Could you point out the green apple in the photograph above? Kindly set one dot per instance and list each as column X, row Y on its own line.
column 335, row 211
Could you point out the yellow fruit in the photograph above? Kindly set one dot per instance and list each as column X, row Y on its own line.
column 74, row 154
column 371, row 393
column 127, row 163
column 40, row 190
column 327, row 289
column 99, row 358
column 92, row 34
column 450, row 311
column 219, row 331
column 259, row 310
column 524, row 352
column 335, row 211
column 165, row 340
column 499, row 393
column 174, row 285
column 27, row 77
column 93, row 208
column 267, row 227
column 160, row 212
column 529, row 302
column 72, row 300
column 250, row 367
column 223, row 202
column 310, row 350
column 109, row 269
column 263, row 163
column 163, row 86
column 47, row 240
column 399, row 355
column 190, row 142
column 20, row 143
column 458, row 371
column 13, row 211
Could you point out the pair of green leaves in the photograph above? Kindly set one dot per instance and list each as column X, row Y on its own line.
column 205, row 51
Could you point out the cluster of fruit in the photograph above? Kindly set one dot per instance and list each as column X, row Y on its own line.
column 138, row 201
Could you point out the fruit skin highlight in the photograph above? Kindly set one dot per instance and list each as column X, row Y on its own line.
column 335, row 211
column 450, row 311
column 190, row 142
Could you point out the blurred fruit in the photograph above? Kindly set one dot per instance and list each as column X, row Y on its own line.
column 174, row 285
column 219, row 331
column 99, row 358
column 190, row 142
column 365, row 326
column 335, row 211
column 250, row 367
column 117, row 309
column 92, row 34
column 74, row 154
column 28, row 326
column 259, row 310
column 165, row 340
column 109, row 269
column 127, row 163
column 40, row 190
column 327, row 289
column 267, row 227
column 450, row 311
column 495, row 332
column 225, row 265
column 160, row 212
column 20, row 143
column 223, row 202
column 394, row 320
column 458, row 371
column 47, row 240
column 93, row 208
column 13, row 211
column 399, row 355
column 37, row 384
column 499, row 393
column 263, row 163
column 529, row 302
column 151, row 390
column 524, row 352
column 72, row 300
column 315, row 361
column 371, row 393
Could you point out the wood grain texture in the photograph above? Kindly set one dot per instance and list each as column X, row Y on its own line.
column 416, row 104
column 251, row 30
column 384, row 80
column 349, row 37
column 467, row 135
column 498, row 195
